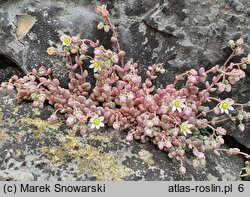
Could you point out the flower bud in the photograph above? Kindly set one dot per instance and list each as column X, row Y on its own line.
column 182, row 170
column 84, row 48
column 114, row 59
column 231, row 44
column 51, row 50
column 113, row 39
column 241, row 127
column 100, row 25
column 221, row 131
column 244, row 66
column 240, row 116
column 240, row 42
column 106, row 28
column 216, row 110
column 239, row 51
column 160, row 145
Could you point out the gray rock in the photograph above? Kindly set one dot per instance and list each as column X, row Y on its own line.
column 8, row 69
column 214, row 13
column 235, row 4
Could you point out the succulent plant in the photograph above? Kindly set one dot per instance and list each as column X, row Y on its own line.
column 173, row 118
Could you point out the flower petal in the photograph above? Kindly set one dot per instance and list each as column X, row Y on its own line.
column 189, row 132
column 101, row 118
column 183, row 105
column 230, row 102
column 230, row 108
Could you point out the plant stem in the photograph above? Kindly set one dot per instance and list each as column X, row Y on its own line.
column 115, row 34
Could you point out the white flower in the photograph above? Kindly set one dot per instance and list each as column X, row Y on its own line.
column 66, row 40
column 178, row 104
column 96, row 65
column 226, row 105
column 96, row 122
column 185, row 128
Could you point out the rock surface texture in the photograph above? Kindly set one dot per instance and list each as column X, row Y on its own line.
column 181, row 34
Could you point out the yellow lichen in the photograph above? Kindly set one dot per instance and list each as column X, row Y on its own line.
column 3, row 138
column 42, row 125
column 100, row 138
column 19, row 135
column 146, row 156
column 16, row 110
column 1, row 118
column 103, row 166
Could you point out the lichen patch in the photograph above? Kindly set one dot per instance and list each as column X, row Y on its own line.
column 42, row 125
column 146, row 156
column 4, row 137
column 103, row 166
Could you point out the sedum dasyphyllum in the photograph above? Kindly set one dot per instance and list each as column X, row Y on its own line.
column 174, row 118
